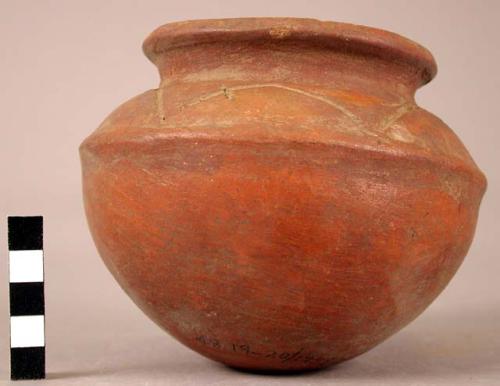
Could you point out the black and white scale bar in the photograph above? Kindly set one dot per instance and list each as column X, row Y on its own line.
column 27, row 304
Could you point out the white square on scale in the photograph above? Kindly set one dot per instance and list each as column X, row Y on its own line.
column 26, row 266
column 27, row 331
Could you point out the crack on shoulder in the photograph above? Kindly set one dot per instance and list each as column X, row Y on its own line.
column 388, row 121
column 229, row 93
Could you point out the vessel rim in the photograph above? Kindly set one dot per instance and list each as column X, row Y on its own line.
column 352, row 38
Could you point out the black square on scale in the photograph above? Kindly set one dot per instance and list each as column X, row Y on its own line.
column 25, row 232
column 27, row 363
column 27, row 299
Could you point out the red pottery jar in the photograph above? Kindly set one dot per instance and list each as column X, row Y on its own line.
column 280, row 202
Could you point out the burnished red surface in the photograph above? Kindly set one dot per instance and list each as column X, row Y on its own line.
column 280, row 202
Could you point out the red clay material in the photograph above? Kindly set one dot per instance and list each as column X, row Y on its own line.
column 280, row 202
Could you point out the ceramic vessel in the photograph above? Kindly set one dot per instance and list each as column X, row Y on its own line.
column 280, row 202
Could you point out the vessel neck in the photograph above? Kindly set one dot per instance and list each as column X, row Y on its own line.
column 288, row 63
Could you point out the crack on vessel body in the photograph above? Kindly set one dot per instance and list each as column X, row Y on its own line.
column 227, row 91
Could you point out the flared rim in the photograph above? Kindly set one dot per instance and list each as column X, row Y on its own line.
column 349, row 37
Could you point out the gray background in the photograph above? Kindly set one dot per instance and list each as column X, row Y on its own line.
column 64, row 65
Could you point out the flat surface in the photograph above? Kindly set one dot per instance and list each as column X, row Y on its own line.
column 25, row 266
column 27, row 331
column 66, row 65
